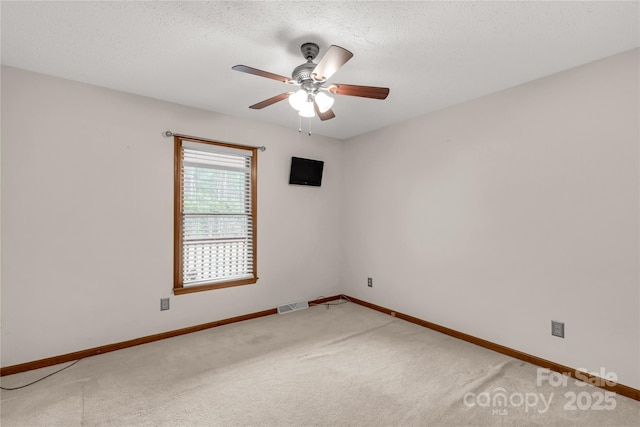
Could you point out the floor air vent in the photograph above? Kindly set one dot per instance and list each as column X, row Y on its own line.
column 286, row 308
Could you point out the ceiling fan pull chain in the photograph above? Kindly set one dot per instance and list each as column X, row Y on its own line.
column 309, row 126
column 299, row 124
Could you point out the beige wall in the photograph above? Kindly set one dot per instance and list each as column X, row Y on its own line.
column 496, row 216
column 87, row 217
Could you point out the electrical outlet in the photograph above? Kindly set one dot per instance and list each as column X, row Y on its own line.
column 370, row 282
column 164, row 304
column 557, row 329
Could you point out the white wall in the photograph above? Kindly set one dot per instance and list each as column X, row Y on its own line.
column 492, row 217
column 496, row 216
column 87, row 217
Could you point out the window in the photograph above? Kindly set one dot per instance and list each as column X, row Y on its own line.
column 215, row 215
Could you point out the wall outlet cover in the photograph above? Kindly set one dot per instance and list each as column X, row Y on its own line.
column 557, row 329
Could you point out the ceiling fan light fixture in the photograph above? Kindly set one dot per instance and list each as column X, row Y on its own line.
column 307, row 110
column 324, row 102
column 298, row 99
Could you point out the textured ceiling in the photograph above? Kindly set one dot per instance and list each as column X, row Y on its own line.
column 430, row 54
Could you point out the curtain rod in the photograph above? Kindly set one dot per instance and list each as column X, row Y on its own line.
column 170, row 134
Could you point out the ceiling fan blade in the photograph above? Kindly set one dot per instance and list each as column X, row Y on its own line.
column 362, row 91
column 334, row 58
column 270, row 101
column 323, row 116
column 261, row 73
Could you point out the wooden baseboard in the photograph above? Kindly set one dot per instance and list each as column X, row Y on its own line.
column 621, row 389
column 50, row 361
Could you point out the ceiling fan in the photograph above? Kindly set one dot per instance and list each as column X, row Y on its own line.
column 311, row 98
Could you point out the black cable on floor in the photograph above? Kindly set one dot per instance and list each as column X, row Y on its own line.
column 38, row 380
column 342, row 300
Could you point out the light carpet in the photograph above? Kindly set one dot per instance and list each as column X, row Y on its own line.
column 345, row 365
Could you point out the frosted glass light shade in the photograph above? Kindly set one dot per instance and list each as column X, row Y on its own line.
column 307, row 110
column 324, row 102
column 298, row 99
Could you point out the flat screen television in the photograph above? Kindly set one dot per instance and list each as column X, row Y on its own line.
column 306, row 172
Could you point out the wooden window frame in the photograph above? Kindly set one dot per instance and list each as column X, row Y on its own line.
column 178, row 286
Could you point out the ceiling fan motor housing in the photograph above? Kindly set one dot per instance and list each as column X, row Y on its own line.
column 303, row 72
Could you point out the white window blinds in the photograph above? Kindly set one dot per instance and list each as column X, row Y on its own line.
column 216, row 212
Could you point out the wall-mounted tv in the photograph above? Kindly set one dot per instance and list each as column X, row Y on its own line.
column 306, row 171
